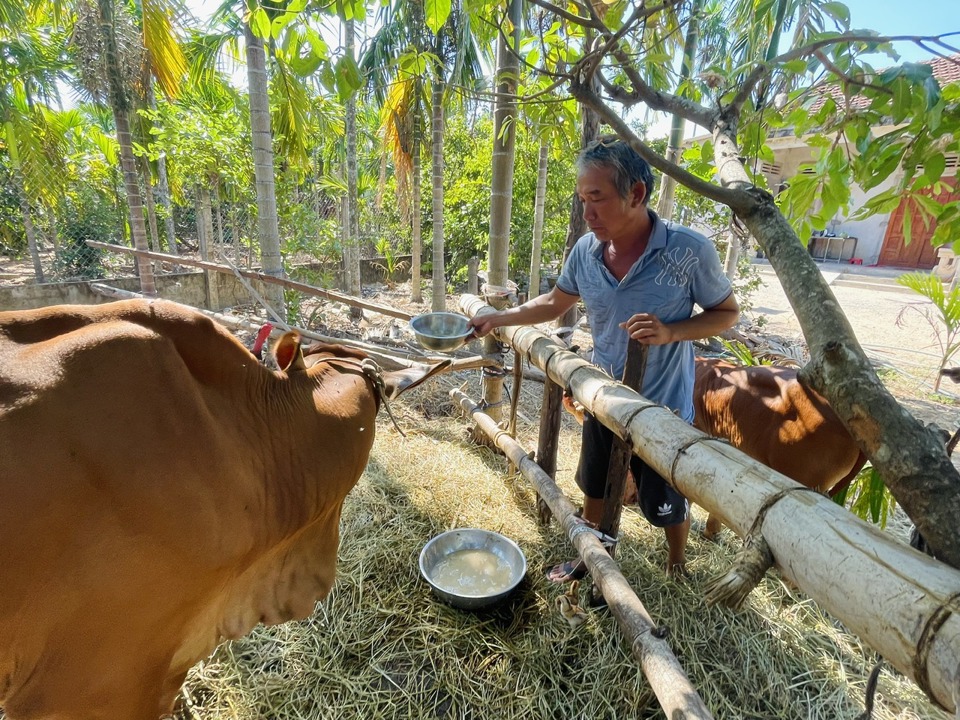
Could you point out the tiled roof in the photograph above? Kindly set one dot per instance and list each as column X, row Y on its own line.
column 945, row 70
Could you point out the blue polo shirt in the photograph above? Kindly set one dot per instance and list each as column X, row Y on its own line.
column 680, row 267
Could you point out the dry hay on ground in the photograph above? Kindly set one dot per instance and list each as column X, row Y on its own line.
column 381, row 646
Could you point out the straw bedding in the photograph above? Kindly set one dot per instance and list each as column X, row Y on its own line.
column 381, row 646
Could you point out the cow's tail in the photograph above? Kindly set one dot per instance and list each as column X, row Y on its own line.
column 843, row 482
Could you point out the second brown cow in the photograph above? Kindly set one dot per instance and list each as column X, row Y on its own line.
column 766, row 413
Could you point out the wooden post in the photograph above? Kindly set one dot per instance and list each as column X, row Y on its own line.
column 473, row 282
column 549, row 439
column 622, row 451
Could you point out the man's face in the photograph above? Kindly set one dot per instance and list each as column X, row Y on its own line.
column 608, row 215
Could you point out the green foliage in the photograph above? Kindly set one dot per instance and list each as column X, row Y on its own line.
column 867, row 497
column 391, row 264
column 86, row 217
column 943, row 316
column 742, row 353
column 13, row 237
column 468, row 158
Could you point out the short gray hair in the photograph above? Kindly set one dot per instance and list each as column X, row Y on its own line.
column 629, row 168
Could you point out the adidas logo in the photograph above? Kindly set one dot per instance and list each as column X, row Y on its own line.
column 664, row 509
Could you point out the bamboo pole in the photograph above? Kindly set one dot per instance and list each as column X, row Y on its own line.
column 387, row 358
column 903, row 604
column 268, row 279
column 669, row 682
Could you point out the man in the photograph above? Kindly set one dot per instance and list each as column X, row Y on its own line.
column 639, row 278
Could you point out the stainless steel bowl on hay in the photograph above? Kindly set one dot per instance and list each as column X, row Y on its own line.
column 471, row 568
column 441, row 331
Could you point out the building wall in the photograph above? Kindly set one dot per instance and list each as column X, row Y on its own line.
column 869, row 232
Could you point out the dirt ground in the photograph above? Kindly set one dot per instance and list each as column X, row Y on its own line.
column 891, row 324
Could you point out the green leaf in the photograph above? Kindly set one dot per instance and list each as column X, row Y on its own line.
column 907, row 224
column 838, row 11
column 933, row 166
column 260, row 23
column 349, row 79
column 798, row 67
column 902, row 100
column 706, row 151
column 436, row 13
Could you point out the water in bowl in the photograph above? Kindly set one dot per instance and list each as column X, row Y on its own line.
column 472, row 572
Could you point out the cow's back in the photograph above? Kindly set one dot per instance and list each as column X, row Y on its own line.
column 159, row 488
column 769, row 415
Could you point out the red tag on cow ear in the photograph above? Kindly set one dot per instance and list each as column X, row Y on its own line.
column 288, row 353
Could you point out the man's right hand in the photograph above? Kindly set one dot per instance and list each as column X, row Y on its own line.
column 484, row 324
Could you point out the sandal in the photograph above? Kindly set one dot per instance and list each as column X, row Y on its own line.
column 567, row 571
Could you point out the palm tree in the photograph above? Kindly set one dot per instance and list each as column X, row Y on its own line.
column 262, row 137
column 351, row 245
column 422, row 41
column 31, row 62
column 112, row 51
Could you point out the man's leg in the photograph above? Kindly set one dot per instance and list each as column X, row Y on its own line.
column 591, row 477
column 676, row 548
column 664, row 507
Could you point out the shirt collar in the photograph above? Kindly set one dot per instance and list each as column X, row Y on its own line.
column 658, row 237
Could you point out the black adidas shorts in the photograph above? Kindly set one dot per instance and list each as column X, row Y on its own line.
column 659, row 502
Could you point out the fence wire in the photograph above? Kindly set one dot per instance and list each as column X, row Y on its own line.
column 43, row 237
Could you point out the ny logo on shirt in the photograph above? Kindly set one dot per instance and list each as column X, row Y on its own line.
column 677, row 269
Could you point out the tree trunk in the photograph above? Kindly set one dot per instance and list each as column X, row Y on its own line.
column 665, row 203
column 351, row 245
column 138, row 227
column 416, row 259
column 235, row 229
column 151, row 206
column 262, row 137
column 163, row 197
column 501, row 189
column 540, row 201
column 205, row 221
column 51, row 232
column 910, row 457
column 439, row 297
column 28, row 227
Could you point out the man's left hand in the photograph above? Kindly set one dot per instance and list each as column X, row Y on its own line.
column 647, row 329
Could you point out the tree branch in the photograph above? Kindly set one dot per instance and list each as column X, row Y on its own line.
column 763, row 69
column 735, row 198
column 576, row 19
column 657, row 100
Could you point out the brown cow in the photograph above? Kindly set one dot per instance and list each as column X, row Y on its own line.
column 766, row 413
column 769, row 415
column 161, row 491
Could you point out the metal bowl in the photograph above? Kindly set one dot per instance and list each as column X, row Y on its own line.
column 445, row 544
column 441, row 331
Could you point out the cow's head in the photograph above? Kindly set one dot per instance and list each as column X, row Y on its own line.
column 291, row 358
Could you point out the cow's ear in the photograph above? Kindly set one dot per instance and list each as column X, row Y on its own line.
column 288, row 353
column 397, row 381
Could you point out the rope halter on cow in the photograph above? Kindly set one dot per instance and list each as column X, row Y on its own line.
column 374, row 373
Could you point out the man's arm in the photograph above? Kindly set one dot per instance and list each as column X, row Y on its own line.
column 647, row 328
column 541, row 309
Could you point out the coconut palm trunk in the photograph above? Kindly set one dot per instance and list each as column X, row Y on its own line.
column 131, row 186
column 416, row 259
column 439, row 299
column 351, row 245
column 262, row 138
column 539, row 202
